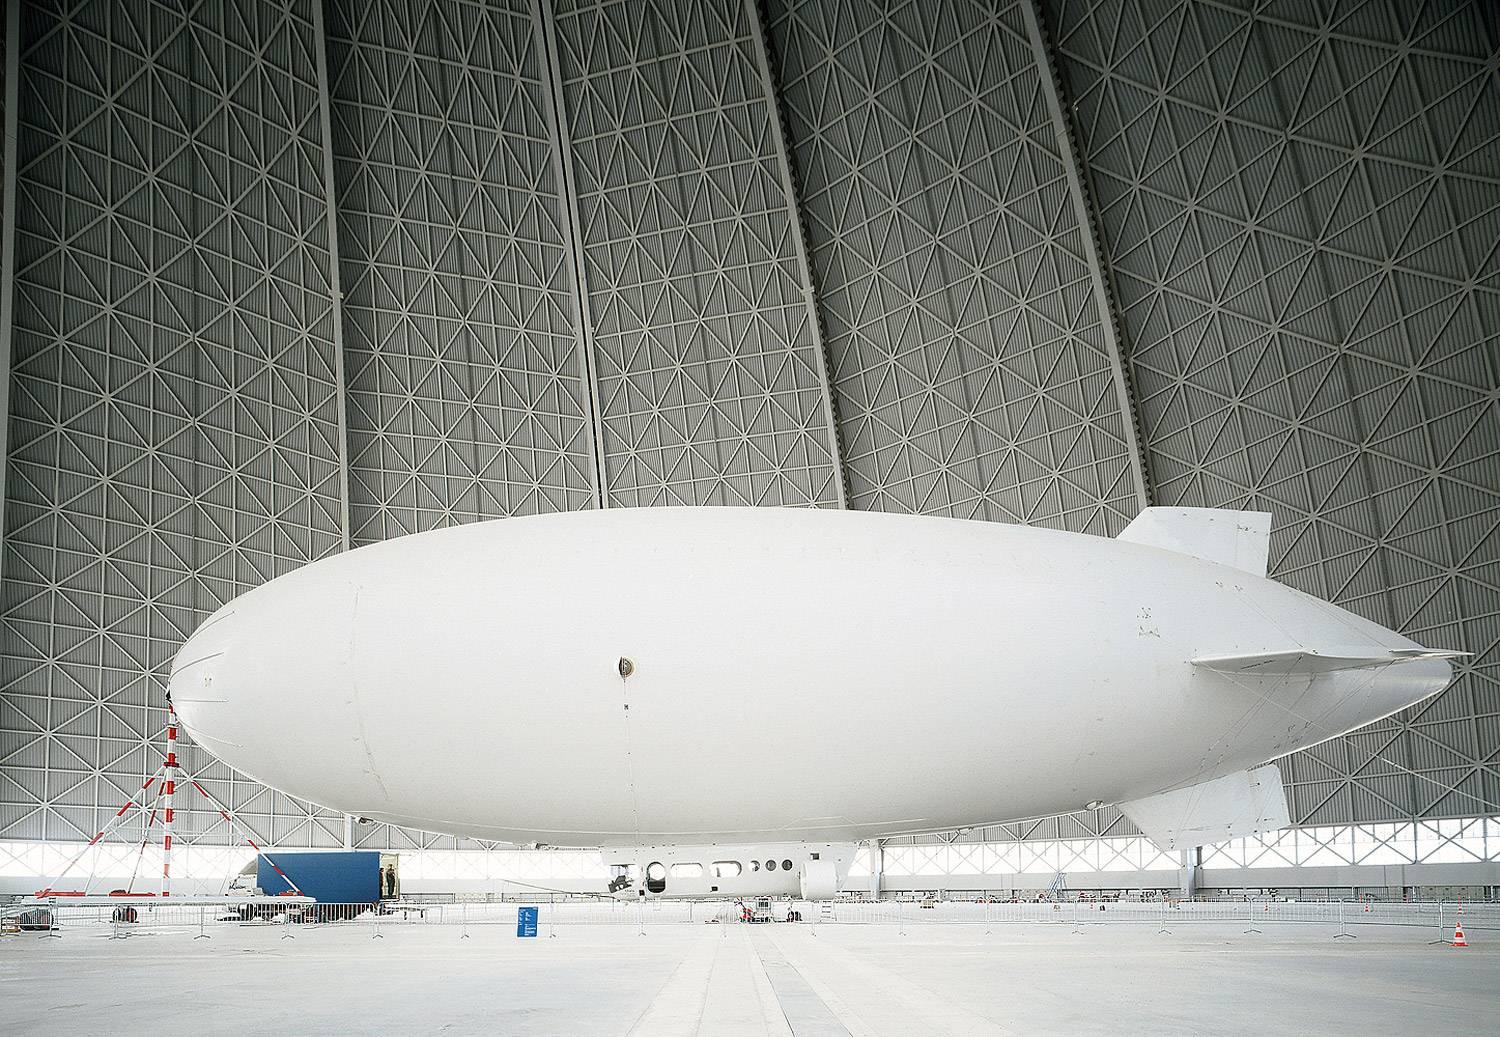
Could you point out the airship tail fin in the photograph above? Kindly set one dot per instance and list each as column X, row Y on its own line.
column 1236, row 805
column 1241, row 539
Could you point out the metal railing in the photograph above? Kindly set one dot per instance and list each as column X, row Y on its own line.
column 1255, row 912
column 123, row 919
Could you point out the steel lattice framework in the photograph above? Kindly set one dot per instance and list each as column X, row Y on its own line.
column 278, row 277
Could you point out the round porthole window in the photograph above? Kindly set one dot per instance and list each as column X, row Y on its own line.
column 770, row 865
column 787, row 865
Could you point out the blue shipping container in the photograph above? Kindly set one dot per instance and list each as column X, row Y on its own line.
column 341, row 877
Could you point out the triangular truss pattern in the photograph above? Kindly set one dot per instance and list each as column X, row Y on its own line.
column 706, row 350
column 967, row 342
column 466, row 393
column 636, row 230
column 175, row 429
column 1301, row 208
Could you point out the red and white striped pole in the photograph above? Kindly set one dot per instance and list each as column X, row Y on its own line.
column 168, row 786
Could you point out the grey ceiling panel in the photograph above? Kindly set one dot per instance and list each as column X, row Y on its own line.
column 706, row 349
column 9, row 93
column 970, row 348
column 174, row 432
column 467, row 398
column 1017, row 261
column 1301, row 209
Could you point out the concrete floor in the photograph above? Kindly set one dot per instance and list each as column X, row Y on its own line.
column 1207, row 978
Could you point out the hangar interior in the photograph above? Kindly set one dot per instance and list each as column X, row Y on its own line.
column 279, row 278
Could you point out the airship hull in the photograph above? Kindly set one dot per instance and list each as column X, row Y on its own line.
column 631, row 677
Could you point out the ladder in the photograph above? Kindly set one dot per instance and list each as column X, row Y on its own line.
column 1058, row 887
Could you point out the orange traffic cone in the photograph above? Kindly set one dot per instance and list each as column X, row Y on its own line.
column 1458, row 935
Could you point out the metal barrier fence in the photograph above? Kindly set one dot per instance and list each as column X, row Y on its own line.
column 1252, row 912
column 125, row 919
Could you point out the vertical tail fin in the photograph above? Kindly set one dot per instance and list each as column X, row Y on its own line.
column 1236, row 805
column 1241, row 539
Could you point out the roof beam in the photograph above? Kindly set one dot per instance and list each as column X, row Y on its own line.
column 755, row 15
column 335, row 287
column 544, row 24
column 1092, row 258
column 8, row 239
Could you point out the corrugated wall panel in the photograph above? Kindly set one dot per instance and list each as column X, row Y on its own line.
column 705, row 347
column 1297, row 208
column 1300, row 208
column 174, row 432
column 467, row 395
column 969, row 348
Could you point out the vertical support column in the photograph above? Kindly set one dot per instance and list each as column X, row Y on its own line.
column 876, row 848
column 755, row 16
column 348, row 831
column 325, row 127
column 8, row 240
column 544, row 24
column 1191, row 872
column 1092, row 258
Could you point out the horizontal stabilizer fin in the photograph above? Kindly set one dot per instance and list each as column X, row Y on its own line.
column 1241, row 539
column 1278, row 663
column 1236, row 805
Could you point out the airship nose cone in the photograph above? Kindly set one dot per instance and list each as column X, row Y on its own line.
column 196, row 686
column 263, row 686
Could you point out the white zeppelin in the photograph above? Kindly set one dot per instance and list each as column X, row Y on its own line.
column 668, row 676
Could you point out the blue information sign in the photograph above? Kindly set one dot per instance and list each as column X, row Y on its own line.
column 526, row 921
